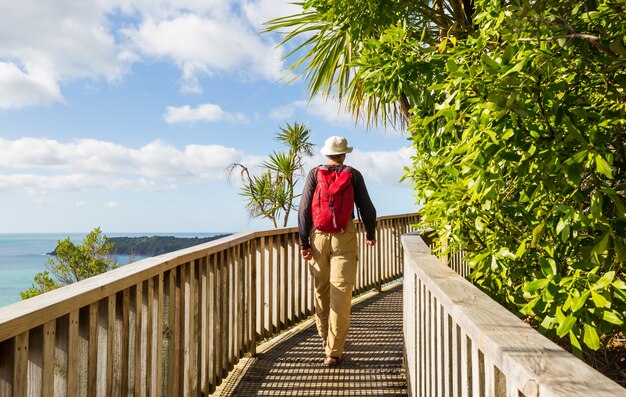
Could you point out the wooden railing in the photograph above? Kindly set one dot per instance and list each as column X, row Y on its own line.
column 175, row 324
column 459, row 342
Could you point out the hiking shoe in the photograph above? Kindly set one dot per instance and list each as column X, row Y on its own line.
column 331, row 361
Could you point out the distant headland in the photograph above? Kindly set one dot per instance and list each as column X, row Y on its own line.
column 153, row 245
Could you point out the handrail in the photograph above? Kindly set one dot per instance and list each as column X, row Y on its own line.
column 460, row 342
column 176, row 323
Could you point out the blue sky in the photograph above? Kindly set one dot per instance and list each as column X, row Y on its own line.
column 125, row 114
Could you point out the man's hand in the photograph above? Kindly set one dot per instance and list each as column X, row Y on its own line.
column 370, row 242
column 307, row 254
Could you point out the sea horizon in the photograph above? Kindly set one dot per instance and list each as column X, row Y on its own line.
column 24, row 254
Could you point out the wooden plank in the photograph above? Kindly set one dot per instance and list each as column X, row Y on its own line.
column 125, row 341
column 139, row 346
column 456, row 360
column 73, row 354
column 446, row 375
column 466, row 366
column 225, row 305
column 297, row 280
column 279, row 286
column 116, row 330
column 20, row 370
column 239, row 296
column 204, row 326
column 271, row 288
column 84, row 347
column 214, row 322
column 113, row 349
column 92, row 343
column 102, row 357
column 261, row 310
column 420, row 338
column 184, row 324
column 34, row 368
column 170, row 318
column 254, row 285
column 438, row 349
column 148, row 337
column 49, row 347
column 159, row 318
column 230, row 299
column 291, row 279
column 194, row 348
column 219, row 310
column 61, row 355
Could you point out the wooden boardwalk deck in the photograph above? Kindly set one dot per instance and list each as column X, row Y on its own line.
column 372, row 364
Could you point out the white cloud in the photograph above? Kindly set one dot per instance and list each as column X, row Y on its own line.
column 44, row 45
column 326, row 109
column 71, row 182
column 202, row 45
column 104, row 165
column 80, row 203
column 38, row 165
column 26, row 88
column 207, row 112
column 261, row 11
column 112, row 204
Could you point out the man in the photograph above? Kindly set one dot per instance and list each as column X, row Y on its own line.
column 328, row 240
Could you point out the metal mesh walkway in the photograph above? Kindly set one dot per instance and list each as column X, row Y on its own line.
column 372, row 364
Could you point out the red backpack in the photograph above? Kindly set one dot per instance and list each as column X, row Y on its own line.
column 333, row 200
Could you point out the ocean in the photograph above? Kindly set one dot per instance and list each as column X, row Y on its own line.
column 23, row 255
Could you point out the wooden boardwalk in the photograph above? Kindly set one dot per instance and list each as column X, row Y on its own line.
column 372, row 364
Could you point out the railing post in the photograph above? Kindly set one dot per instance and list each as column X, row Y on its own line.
column 253, row 298
column 378, row 285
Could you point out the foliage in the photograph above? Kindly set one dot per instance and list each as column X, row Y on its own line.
column 271, row 195
column 73, row 263
column 518, row 120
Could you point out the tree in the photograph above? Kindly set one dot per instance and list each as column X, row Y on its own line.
column 73, row 263
column 517, row 113
column 271, row 195
column 345, row 41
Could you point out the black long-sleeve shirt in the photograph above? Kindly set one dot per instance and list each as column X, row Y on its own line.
column 361, row 199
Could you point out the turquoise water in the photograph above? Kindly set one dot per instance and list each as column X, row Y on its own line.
column 23, row 255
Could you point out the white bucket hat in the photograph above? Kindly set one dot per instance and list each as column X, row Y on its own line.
column 335, row 145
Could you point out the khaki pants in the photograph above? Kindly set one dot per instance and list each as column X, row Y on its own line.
column 334, row 270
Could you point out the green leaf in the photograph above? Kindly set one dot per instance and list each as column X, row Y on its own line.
column 537, row 232
column 489, row 62
column 591, row 337
column 599, row 300
column 442, row 45
column 619, row 284
column 577, row 350
column 601, row 246
column 528, row 308
column 521, row 249
column 604, row 281
column 548, row 267
column 612, row 317
column 603, row 167
column 565, row 326
column 578, row 302
column 451, row 65
column 535, row 285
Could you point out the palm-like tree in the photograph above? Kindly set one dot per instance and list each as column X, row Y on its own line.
column 271, row 195
column 330, row 37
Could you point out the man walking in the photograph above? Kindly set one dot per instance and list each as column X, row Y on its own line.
column 328, row 240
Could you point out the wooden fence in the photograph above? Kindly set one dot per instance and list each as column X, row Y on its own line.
column 459, row 342
column 175, row 324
